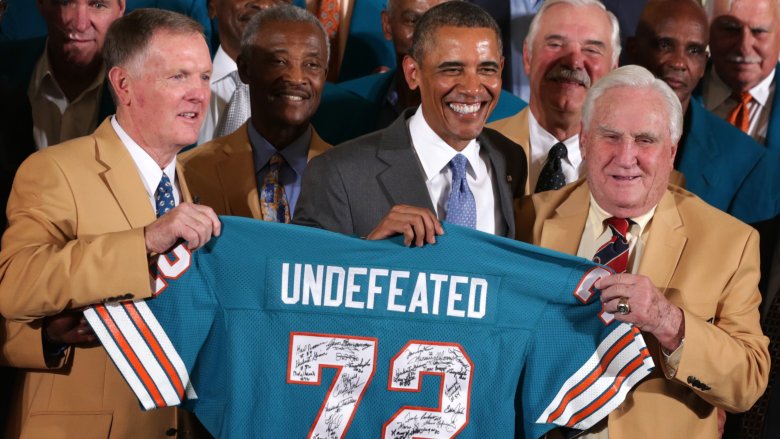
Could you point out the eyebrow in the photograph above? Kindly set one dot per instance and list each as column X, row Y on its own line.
column 591, row 42
column 448, row 64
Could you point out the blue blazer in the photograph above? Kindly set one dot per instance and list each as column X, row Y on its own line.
column 727, row 168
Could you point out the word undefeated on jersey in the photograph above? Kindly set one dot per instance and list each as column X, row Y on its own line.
column 282, row 331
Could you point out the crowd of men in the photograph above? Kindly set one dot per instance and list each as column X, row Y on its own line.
column 672, row 162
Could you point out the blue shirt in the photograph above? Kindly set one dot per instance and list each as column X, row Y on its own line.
column 295, row 154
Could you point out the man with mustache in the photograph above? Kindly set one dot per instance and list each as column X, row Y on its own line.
column 739, row 178
column 570, row 45
column 435, row 161
column 741, row 85
column 229, row 105
column 256, row 171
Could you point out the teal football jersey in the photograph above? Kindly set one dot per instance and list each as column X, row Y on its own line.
column 284, row 331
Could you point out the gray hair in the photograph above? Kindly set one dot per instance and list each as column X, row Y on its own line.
column 614, row 37
column 633, row 76
column 452, row 13
column 709, row 6
column 129, row 36
column 281, row 13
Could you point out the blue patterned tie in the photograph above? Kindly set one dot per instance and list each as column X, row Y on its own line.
column 461, row 207
column 163, row 196
column 273, row 200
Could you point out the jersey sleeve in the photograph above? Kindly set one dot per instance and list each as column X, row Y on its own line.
column 154, row 343
column 581, row 363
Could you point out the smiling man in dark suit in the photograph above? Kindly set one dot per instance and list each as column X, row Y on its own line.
column 398, row 180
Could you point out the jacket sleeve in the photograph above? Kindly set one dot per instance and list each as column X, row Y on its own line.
column 726, row 361
column 47, row 265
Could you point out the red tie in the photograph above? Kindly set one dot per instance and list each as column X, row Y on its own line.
column 614, row 253
column 740, row 115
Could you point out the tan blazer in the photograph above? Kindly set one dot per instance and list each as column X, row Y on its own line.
column 76, row 217
column 221, row 173
column 703, row 261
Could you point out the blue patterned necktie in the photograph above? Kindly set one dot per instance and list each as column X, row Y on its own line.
column 273, row 200
column 551, row 177
column 163, row 196
column 461, row 207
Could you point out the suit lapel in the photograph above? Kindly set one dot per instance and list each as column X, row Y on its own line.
column 665, row 243
column 516, row 129
column 498, row 162
column 403, row 179
column 121, row 176
column 562, row 231
column 317, row 145
column 772, row 135
column 236, row 171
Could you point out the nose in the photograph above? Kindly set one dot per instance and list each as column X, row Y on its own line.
column 574, row 58
column 200, row 90
column 676, row 58
column 76, row 17
column 471, row 83
column 746, row 41
column 293, row 74
column 625, row 154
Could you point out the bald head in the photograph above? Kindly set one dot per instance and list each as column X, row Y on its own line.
column 671, row 41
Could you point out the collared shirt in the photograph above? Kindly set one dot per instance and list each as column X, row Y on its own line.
column 148, row 169
column 222, row 88
column 541, row 144
column 435, row 154
column 718, row 99
column 55, row 119
column 596, row 234
column 290, row 175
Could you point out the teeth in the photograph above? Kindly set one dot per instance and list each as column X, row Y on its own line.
column 292, row 98
column 465, row 108
column 188, row 115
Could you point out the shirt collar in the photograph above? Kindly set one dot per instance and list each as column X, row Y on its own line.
column 295, row 154
column 543, row 141
column 597, row 215
column 223, row 66
column 718, row 92
column 434, row 153
column 149, row 169
column 43, row 80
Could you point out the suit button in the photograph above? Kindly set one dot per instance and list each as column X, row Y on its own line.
column 171, row 432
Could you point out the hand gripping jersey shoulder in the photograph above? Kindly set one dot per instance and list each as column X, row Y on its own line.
column 283, row 331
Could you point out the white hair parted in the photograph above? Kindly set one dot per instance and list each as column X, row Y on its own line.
column 615, row 36
column 711, row 5
column 636, row 77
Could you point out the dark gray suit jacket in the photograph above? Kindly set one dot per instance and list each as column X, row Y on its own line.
column 350, row 188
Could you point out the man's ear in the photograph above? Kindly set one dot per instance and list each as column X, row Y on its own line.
column 526, row 59
column 121, row 82
column 411, row 72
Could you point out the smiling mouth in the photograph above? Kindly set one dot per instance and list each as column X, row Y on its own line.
column 189, row 115
column 465, row 108
column 625, row 177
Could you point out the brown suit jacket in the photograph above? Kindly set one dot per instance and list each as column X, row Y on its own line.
column 221, row 173
column 703, row 261
column 76, row 217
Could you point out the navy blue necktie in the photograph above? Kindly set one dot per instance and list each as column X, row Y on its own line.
column 552, row 177
column 163, row 196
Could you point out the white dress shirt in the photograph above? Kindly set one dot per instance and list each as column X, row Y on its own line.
column 222, row 88
column 148, row 169
column 541, row 144
column 718, row 99
column 55, row 118
column 435, row 154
